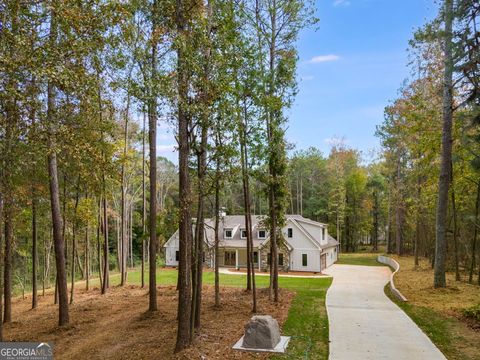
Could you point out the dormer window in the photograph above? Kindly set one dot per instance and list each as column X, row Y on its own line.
column 228, row 233
column 262, row 234
column 243, row 234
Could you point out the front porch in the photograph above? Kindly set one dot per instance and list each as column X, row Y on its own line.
column 237, row 258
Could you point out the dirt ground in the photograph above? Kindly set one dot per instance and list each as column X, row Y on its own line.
column 116, row 325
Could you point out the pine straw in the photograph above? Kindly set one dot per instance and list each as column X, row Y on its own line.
column 416, row 283
column 117, row 326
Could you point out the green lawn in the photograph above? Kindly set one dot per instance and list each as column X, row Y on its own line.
column 358, row 259
column 307, row 320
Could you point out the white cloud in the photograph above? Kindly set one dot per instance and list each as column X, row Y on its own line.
column 341, row 3
column 323, row 58
column 166, row 148
column 307, row 77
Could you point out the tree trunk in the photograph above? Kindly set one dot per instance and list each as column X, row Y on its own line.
column 34, row 251
column 455, row 227
column 389, row 226
column 99, row 247
column 123, row 187
column 197, row 261
column 247, row 208
column 7, row 264
column 130, row 233
column 74, row 243
column 64, row 219
column 185, row 228
column 79, row 264
column 217, row 225
column 444, row 179
column 34, row 213
column 475, row 235
column 1, row 265
column 152, row 138
column 54, row 191
column 106, row 263
column 87, row 258
column 375, row 221
column 301, row 194
column 144, row 202
column 57, row 234
column 399, row 213
column 272, row 140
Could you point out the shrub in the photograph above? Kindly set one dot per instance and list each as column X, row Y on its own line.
column 472, row 312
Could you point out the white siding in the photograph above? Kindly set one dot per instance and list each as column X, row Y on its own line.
column 313, row 260
column 299, row 239
column 315, row 231
column 171, row 247
column 301, row 244
column 331, row 255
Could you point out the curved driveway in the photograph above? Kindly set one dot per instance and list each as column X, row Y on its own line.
column 365, row 324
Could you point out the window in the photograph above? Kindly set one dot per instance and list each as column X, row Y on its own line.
column 243, row 234
column 177, row 255
column 228, row 234
column 262, row 234
column 290, row 232
column 304, row 260
column 255, row 257
column 323, row 233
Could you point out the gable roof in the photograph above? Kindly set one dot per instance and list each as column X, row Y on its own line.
column 306, row 233
column 237, row 223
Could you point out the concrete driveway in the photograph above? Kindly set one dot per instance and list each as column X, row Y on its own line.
column 365, row 324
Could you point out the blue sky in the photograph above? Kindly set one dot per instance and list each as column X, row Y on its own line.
column 348, row 71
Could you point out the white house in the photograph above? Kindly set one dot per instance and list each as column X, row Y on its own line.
column 306, row 244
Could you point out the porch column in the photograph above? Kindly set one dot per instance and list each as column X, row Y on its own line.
column 236, row 259
column 259, row 260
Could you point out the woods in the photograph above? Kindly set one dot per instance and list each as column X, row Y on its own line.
column 95, row 77
column 88, row 87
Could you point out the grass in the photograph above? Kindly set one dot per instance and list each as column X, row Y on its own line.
column 366, row 259
column 307, row 320
column 307, row 323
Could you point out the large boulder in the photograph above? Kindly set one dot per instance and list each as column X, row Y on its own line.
column 262, row 332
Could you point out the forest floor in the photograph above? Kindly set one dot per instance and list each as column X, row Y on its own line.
column 117, row 326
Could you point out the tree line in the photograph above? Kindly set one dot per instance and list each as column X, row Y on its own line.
column 84, row 85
